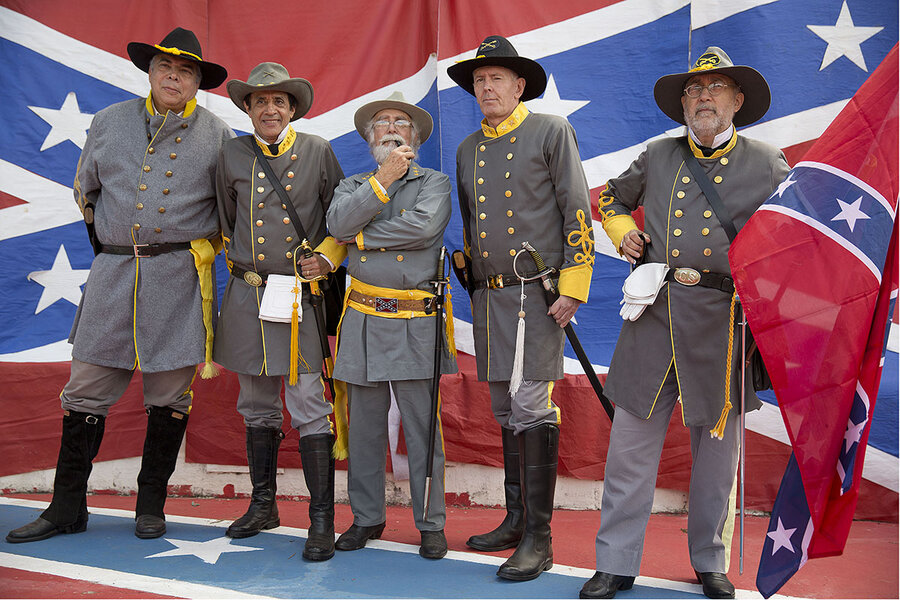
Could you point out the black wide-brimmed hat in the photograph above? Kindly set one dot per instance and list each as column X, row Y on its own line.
column 272, row 77
column 670, row 88
column 496, row 51
column 183, row 44
column 419, row 116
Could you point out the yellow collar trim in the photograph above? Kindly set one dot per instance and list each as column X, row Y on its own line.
column 718, row 153
column 188, row 108
column 508, row 124
column 177, row 52
column 283, row 147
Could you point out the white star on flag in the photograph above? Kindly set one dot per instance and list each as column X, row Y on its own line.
column 66, row 123
column 551, row 103
column 781, row 537
column 208, row 552
column 850, row 213
column 844, row 39
column 853, row 433
column 61, row 282
column 784, row 185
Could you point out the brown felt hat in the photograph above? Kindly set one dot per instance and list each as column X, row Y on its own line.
column 272, row 77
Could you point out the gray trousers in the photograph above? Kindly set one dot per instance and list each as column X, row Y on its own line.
column 94, row 389
column 532, row 405
column 259, row 402
column 635, row 446
column 368, row 448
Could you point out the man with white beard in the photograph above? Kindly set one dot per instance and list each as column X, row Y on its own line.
column 392, row 221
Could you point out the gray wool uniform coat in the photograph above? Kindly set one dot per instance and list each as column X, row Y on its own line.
column 397, row 246
column 687, row 328
column 523, row 181
column 260, row 237
column 151, row 179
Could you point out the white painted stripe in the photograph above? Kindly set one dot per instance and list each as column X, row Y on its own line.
column 890, row 210
column 47, row 203
column 60, row 351
column 839, row 239
column 707, row 12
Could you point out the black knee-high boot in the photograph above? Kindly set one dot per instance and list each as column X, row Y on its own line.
column 539, row 449
column 165, row 430
column 509, row 532
column 262, row 458
column 318, row 470
column 67, row 513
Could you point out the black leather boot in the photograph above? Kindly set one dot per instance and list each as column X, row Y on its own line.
column 67, row 513
column 165, row 430
column 262, row 458
column 318, row 470
column 538, row 448
column 509, row 532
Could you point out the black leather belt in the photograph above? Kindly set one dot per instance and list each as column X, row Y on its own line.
column 145, row 250
column 690, row 277
column 502, row 280
column 256, row 279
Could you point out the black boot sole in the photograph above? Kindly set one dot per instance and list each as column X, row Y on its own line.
column 525, row 576
column 77, row 528
column 486, row 548
column 237, row 535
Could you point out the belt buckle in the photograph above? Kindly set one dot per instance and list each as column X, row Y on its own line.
column 252, row 278
column 386, row 305
column 142, row 250
column 687, row 276
column 495, row 282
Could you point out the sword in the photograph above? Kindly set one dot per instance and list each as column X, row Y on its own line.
column 437, row 306
column 551, row 294
column 319, row 312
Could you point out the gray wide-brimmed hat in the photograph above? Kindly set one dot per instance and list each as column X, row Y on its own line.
column 497, row 51
column 670, row 88
column 419, row 116
column 272, row 77
column 183, row 44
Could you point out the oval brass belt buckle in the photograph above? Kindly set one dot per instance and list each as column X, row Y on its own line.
column 687, row 276
column 252, row 278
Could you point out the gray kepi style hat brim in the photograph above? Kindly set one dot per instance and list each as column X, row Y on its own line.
column 272, row 77
column 497, row 51
column 420, row 117
column 183, row 44
column 670, row 88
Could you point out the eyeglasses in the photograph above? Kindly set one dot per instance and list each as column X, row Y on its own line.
column 399, row 124
column 714, row 89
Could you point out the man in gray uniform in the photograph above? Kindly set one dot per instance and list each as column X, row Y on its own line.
column 393, row 221
column 260, row 241
column 678, row 349
column 146, row 185
column 519, row 179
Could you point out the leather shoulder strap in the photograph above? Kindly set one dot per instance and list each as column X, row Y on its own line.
column 279, row 189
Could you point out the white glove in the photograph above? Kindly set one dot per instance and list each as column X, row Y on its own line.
column 641, row 288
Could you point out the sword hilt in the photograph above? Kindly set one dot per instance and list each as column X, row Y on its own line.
column 545, row 272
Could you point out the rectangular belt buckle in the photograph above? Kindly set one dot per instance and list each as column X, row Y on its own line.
column 142, row 250
column 495, row 282
column 687, row 276
column 386, row 305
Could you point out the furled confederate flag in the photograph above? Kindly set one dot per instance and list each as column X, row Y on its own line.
column 816, row 272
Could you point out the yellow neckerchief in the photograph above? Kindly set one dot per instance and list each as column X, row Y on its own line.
column 283, row 147
column 718, row 153
column 509, row 123
column 188, row 108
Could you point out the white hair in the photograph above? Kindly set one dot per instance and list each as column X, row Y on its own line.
column 379, row 152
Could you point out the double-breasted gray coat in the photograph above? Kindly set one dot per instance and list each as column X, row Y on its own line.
column 151, row 179
column 687, row 328
column 260, row 237
column 523, row 181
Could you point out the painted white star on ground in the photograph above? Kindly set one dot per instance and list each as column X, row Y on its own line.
column 844, row 39
column 851, row 213
column 66, row 123
column 781, row 537
column 61, row 282
column 209, row 552
column 551, row 103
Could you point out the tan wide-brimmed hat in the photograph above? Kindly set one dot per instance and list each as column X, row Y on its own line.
column 670, row 88
column 183, row 44
column 497, row 51
column 272, row 77
column 419, row 116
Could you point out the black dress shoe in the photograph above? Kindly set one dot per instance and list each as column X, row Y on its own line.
column 148, row 527
column 434, row 544
column 716, row 585
column 357, row 536
column 605, row 585
column 41, row 529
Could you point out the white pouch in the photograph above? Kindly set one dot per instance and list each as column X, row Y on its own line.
column 641, row 289
column 278, row 299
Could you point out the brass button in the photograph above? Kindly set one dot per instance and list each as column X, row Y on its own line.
column 680, row 194
column 707, row 214
column 480, row 163
column 260, row 256
column 261, row 175
column 482, row 216
column 259, row 222
column 137, row 225
column 706, row 270
column 289, row 239
column 483, row 235
column 679, row 212
column 512, row 140
column 184, row 125
column 707, row 252
column 509, row 156
column 149, row 137
column 158, row 230
column 481, row 180
column 676, row 232
column 288, row 254
column 142, row 187
column 178, row 140
column 481, row 198
column 705, row 231
column 508, row 194
column 284, row 207
column 288, row 187
column 146, row 168
column 168, row 173
column 399, row 258
column 685, row 179
column 510, row 231
column 260, row 189
column 507, row 175
column 724, row 160
column 484, row 254
column 150, row 150
column 717, row 179
column 139, row 206
column 509, row 213
column 261, row 240
column 286, row 220
column 293, row 157
column 481, row 148
column 173, row 156
column 261, row 204
column 166, row 192
column 512, row 251
column 162, row 209
column 675, row 252
column 290, row 174
column 362, row 259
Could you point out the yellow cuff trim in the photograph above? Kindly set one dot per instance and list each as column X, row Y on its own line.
column 616, row 227
column 575, row 282
column 335, row 252
column 376, row 187
column 359, row 241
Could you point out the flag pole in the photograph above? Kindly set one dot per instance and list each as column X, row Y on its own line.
column 743, row 430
